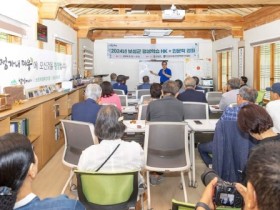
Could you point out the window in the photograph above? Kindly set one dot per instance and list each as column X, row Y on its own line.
column 224, row 68
column 267, row 66
column 62, row 47
column 4, row 37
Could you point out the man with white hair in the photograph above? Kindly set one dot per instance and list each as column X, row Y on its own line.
column 86, row 111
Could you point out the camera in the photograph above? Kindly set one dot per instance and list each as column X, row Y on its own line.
column 225, row 193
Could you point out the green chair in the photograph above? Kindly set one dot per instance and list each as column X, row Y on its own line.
column 107, row 191
column 260, row 97
column 177, row 205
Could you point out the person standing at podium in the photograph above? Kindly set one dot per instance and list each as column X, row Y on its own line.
column 164, row 73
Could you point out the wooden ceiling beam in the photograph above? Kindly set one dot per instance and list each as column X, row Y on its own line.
column 262, row 16
column 168, row 2
column 107, row 34
column 48, row 9
column 82, row 33
column 191, row 21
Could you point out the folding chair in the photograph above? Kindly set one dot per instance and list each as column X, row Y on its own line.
column 78, row 136
column 166, row 150
column 141, row 92
column 119, row 92
column 123, row 99
column 196, row 110
column 142, row 110
column 214, row 97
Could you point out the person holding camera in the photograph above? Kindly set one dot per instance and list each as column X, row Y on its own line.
column 262, row 190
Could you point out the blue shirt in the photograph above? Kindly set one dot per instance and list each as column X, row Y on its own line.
column 61, row 202
column 85, row 111
column 164, row 78
column 144, row 86
column 231, row 113
column 120, row 86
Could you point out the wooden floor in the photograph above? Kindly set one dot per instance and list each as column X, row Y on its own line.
column 51, row 179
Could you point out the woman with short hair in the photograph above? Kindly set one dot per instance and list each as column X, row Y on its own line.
column 18, row 168
column 109, row 129
column 108, row 95
column 255, row 120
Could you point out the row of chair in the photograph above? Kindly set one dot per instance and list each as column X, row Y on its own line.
column 166, row 150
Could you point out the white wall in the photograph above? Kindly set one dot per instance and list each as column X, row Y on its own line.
column 60, row 31
column 130, row 67
column 221, row 44
column 87, row 44
column 22, row 13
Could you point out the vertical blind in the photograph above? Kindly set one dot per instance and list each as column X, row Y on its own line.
column 226, row 66
column 269, row 66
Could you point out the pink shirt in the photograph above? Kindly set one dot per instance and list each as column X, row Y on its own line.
column 114, row 99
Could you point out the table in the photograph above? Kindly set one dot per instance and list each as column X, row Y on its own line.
column 205, row 126
column 133, row 101
column 129, row 109
column 215, row 109
column 137, row 127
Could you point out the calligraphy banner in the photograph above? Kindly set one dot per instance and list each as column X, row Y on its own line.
column 152, row 51
column 32, row 67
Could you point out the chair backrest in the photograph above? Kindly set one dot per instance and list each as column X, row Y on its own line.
column 177, row 205
column 78, row 136
column 196, row 110
column 123, row 99
column 142, row 110
column 144, row 98
column 141, row 92
column 119, row 92
column 107, row 191
column 213, row 98
column 166, row 146
column 260, row 97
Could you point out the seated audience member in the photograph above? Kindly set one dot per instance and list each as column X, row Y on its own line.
column 155, row 92
column 246, row 95
column 180, row 85
column 121, row 80
column 262, row 173
column 109, row 129
column 168, row 108
column 87, row 110
column 146, row 83
column 229, row 97
column 273, row 107
column 108, row 96
column 190, row 94
column 18, row 166
column 255, row 120
column 113, row 78
column 197, row 83
column 243, row 81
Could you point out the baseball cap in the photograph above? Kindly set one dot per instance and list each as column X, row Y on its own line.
column 274, row 88
column 122, row 78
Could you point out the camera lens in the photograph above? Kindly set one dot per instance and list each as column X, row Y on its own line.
column 208, row 176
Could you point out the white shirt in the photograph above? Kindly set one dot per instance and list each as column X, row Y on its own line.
column 128, row 157
column 273, row 109
column 27, row 199
column 228, row 98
